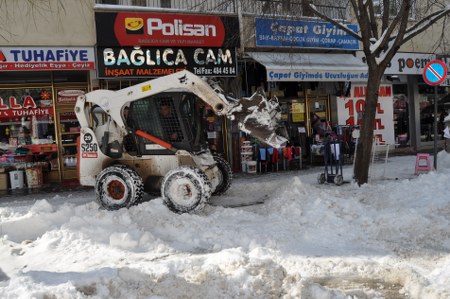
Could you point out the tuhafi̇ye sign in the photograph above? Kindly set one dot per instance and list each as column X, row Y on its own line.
column 46, row 58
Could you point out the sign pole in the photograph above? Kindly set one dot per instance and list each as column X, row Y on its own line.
column 435, row 73
column 435, row 126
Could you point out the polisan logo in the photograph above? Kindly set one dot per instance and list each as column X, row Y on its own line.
column 178, row 28
column 160, row 29
column 134, row 25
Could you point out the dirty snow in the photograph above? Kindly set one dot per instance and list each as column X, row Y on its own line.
column 297, row 239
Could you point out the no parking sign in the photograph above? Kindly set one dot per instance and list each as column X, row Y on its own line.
column 435, row 72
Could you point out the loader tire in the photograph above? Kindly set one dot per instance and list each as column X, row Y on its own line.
column 225, row 175
column 185, row 189
column 118, row 187
column 338, row 180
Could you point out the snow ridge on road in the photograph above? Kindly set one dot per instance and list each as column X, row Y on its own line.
column 387, row 239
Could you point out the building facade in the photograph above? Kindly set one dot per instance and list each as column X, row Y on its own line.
column 51, row 54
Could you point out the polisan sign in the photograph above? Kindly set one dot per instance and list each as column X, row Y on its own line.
column 159, row 29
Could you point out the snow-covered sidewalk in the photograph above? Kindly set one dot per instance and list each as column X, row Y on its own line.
column 276, row 235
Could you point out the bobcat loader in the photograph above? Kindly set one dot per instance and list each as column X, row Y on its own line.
column 127, row 147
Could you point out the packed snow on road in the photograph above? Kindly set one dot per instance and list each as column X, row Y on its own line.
column 274, row 235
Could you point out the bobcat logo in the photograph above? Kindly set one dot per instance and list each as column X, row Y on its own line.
column 183, row 79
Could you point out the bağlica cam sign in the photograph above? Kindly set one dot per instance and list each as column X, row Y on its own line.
column 134, row 44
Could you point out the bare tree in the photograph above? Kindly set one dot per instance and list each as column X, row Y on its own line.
column 383, row 29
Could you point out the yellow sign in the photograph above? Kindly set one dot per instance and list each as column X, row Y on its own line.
column 146, row 88
column 298, row 107
column 298, row 117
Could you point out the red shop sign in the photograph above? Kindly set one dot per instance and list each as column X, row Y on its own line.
column 165, row 30
column 13, row 108
column 69, row 96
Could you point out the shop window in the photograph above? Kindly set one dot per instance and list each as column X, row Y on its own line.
column 139, row 2
column 26, row 116
column 394, row 8
column 166, row 4
column 112, row 2
column 401, row 119
column 426, row 106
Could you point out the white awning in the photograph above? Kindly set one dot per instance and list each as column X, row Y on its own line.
column 311, row 66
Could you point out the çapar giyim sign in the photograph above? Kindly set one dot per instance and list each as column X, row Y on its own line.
column 351, row 109
column 435, row 72
column 134, row 44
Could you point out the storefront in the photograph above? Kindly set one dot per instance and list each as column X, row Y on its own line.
column 413, row 100
column 306, row 65
column 38, row 90
column 136, row 46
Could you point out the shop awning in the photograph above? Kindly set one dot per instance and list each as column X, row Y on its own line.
column 300, row 67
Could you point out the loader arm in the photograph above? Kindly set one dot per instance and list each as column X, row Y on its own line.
column 256, row 116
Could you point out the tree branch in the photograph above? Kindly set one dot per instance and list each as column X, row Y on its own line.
column 402, row 17
column 385, row 16
column 426, row 22
column 337, row 24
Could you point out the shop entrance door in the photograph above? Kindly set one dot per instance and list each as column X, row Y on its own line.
column 320, row 106
column 68, row 130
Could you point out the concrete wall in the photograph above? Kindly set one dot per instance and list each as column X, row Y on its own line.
column 47, row 23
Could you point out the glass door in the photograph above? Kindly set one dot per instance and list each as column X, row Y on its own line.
column 68, row 132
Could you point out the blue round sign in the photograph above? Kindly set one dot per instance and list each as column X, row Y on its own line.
column 435, row 72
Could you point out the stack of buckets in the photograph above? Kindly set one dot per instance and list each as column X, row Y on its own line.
column 34, row 178
column 16, row 179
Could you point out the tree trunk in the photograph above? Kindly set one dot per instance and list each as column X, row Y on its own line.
column 364, row 149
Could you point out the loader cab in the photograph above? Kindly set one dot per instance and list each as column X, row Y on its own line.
column 173, row 117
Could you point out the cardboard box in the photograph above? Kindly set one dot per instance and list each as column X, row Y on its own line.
column 3, row 181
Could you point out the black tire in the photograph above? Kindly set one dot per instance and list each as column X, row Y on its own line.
column 185, row 189
column 338, row 180
column 118, row 187
column 225, row 176
column 321, row 178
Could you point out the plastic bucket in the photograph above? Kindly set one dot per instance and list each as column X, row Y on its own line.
column 16, row 179
column 244, row 166
column 3, row 181
column 34, row 177
column 251, row 166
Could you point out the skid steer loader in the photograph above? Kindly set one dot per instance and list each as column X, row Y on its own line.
column 149, row 137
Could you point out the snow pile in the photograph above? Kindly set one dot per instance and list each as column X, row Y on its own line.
column 385, row 239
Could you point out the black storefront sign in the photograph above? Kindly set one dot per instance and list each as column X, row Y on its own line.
column 132, row 62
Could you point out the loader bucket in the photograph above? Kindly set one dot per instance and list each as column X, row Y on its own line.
column 259, row 117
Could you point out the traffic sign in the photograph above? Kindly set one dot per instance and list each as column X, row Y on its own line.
column 435, row 72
